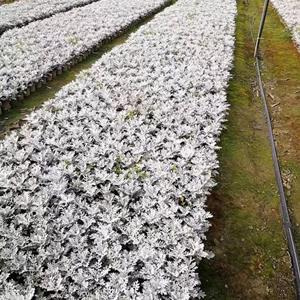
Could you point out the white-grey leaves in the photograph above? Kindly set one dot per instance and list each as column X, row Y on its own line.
column 290, row 11
column 30, row 52
column 106, row 197
column 17, row 14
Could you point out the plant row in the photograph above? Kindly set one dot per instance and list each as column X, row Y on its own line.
column 290, row 12
column 20, row 13
column 29, row 55
column 103, row 191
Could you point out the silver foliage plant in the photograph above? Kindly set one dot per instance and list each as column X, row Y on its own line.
column 30, row 52
column 103, row 191
column 290, row 12
column 23, row 12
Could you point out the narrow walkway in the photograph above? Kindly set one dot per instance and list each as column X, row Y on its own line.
column 251, row 259
column 281, row 74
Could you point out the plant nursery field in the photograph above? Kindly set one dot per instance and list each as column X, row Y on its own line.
column 134, row 153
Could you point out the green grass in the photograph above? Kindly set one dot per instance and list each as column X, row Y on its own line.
column 251, row 260
column 282, row 77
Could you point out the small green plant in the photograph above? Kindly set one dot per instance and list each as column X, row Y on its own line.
column 67, row 162
column 20, row 46
column 131, row 114
column 139, row 171
column 182, row 201
column 174, row 168
column 118, row 166
column 73, row 40
column 136, row 169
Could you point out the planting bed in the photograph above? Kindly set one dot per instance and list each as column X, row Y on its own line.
column 33, row 54
column 103, row 191
column 23, row 12
column 290, row 12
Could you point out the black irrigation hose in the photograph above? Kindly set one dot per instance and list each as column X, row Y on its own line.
column 283, row 202
column 261, row 27
column 284, row 209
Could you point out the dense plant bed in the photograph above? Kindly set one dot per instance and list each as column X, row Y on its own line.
column 20, row 13
column 103, row 191
column 33, row 53
column 290, row 12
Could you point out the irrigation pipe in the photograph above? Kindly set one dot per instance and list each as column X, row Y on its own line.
column 283, row 202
